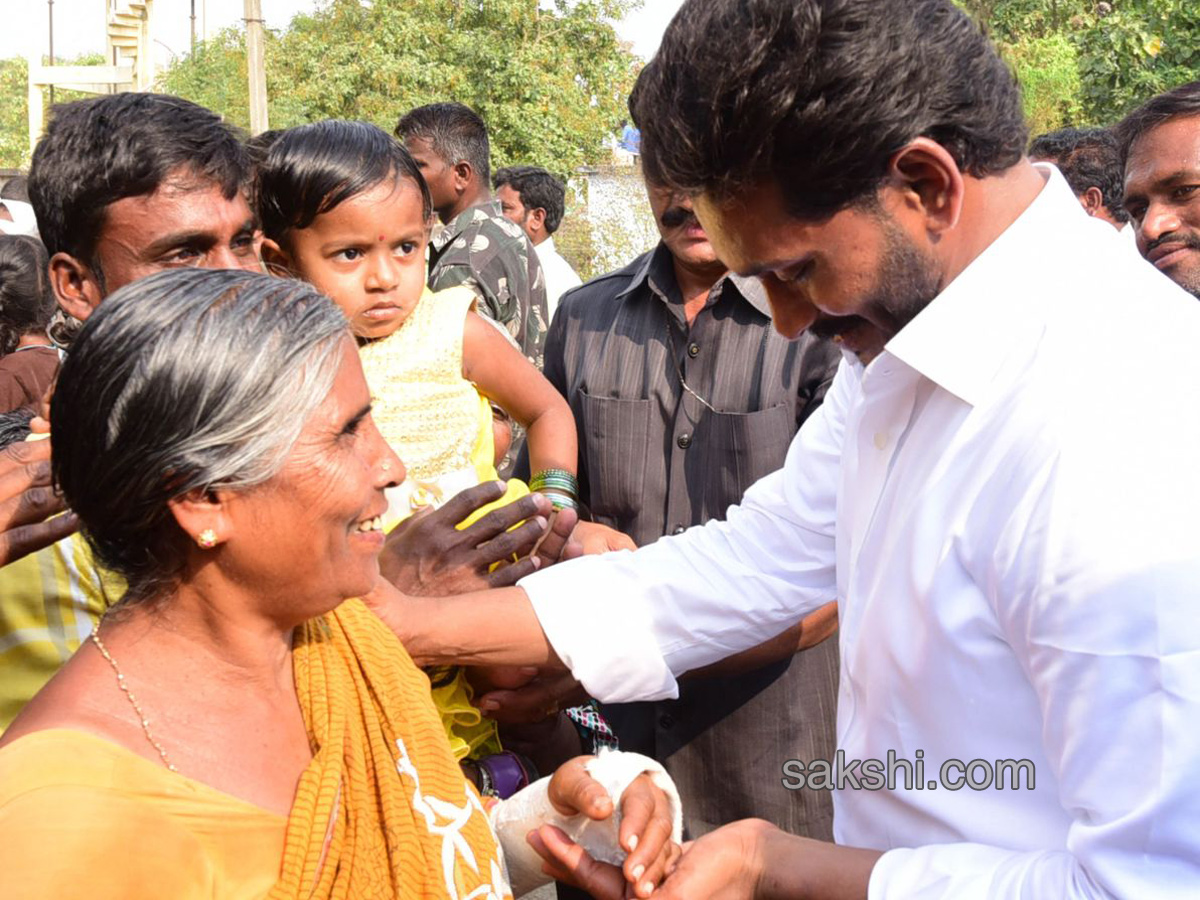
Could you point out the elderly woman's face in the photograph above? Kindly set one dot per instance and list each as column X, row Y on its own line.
column 310, row 536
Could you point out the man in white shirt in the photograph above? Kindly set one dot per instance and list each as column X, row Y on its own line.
column 534, row 199
column 1006, row 520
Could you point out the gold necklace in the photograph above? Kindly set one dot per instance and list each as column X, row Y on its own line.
column 137, row 708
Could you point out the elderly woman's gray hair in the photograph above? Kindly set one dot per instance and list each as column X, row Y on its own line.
column 188, row 380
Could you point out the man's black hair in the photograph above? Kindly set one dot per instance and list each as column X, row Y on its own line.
column 104, row 149
column 310, row 169
column 538, row 189
column 817, row 95
column 455, row 132
column 1173, row 104
column 16, row 188
column 1088, row 158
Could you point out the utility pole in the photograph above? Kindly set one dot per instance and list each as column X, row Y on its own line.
column 50, row 9
column 256, row 64
column 193, row 27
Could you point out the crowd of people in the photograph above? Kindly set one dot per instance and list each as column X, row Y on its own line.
column 844, row 493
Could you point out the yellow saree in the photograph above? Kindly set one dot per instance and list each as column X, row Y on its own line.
column 383, row 810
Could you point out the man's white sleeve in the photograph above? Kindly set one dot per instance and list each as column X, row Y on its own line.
column 627, row 624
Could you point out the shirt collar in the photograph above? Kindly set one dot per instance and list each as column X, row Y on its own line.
column 457, row 225
column 546, row 246
column 658, row 272
column 963, row 337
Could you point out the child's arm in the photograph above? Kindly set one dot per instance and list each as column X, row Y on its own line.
column 502, row 374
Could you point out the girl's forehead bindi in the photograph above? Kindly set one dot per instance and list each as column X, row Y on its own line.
column 381, row 239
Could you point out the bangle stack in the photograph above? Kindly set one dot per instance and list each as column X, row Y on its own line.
column 502, row 774
column 560, row 487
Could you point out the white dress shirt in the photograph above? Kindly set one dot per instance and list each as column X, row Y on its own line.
column 560, row 277
column 1011, row 527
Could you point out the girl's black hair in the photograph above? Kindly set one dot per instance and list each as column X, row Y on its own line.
column 26, row 300
column 310, row 169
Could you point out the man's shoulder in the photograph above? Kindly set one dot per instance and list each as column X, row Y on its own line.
column 603, row 287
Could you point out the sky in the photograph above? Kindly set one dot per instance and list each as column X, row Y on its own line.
column 79, row 24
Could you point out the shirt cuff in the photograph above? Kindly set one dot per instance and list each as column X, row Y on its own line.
column 601, row 629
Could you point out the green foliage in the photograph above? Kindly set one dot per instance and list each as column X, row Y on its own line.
column 551, row 84
column 14, row 113
column 1048, row 68
column 1122, row 52
column 14, row 106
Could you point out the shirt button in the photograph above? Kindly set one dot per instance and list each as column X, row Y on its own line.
column 684, row 441
column 666, row 721
column 678, row 529
column 880, row 440
column 693, row 349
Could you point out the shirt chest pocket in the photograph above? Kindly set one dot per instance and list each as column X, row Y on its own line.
column 614, row 442
column 741, row 448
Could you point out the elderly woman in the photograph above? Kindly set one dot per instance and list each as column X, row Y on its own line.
column 238, row 726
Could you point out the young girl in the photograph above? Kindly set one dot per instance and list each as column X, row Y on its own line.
column 344, row 207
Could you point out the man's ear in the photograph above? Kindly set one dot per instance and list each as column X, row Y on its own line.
column 204, row 516
column 277, row 260
column 76, row 286
column 464, row 172
column 930, row 182
column 536, row 221
column 1092, row 200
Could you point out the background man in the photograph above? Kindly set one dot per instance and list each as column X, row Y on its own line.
column 994, row 604
column 1090, row 160
column 683, row 397
column 534, row 199
column 1162, row 182
column 478, row 246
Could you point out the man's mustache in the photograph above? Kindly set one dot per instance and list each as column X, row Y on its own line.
column 831, row 326
column 677, row 216
column 1187, row 238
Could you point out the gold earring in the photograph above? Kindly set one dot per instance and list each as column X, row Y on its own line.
column 207, row 539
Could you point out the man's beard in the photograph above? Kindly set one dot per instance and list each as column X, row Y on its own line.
column 906, row 281
column 1188, row 280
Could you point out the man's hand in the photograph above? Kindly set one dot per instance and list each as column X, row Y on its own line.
column 645, row 834
column 426, row 555
column 27, row 500
column 596, row 538
column 754, row 860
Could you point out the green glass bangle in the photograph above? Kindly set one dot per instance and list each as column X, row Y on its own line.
column 559, row 500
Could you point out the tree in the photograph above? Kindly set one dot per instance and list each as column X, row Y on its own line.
column 551, row 84
column 14, row 105
column 1082, row 62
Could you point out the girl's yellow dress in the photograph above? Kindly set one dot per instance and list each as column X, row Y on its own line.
column 441, row 428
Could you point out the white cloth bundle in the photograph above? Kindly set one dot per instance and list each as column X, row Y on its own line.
column 531, row 808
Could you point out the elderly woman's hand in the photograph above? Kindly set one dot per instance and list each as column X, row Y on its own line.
column 645, row 834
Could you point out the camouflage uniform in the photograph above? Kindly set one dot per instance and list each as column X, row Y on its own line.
column 488, row 253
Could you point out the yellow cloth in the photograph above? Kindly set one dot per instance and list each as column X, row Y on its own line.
column 441, row 428
column 407, row 822
column 382, row 811
column 81, row 817
column 51, row 601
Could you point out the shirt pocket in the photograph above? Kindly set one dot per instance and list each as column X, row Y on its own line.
column 615, row 438
column 744, row 447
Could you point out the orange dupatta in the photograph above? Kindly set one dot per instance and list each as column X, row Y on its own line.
column 383, row 810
